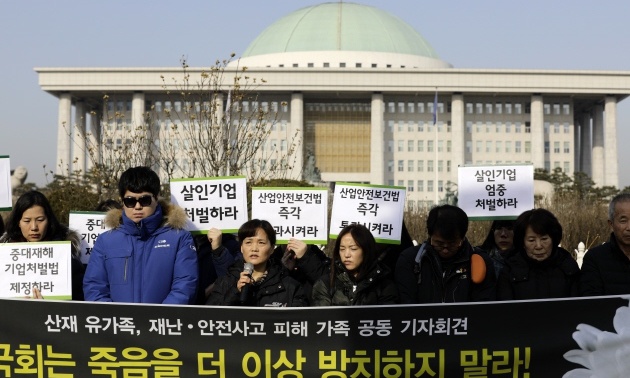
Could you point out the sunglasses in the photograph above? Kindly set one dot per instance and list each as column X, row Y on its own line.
column 144, row 201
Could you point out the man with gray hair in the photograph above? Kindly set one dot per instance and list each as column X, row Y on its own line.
column 606, row 268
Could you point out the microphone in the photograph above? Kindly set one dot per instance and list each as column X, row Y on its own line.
column 249, row 269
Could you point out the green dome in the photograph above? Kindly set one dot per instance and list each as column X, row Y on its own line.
column 340, row 27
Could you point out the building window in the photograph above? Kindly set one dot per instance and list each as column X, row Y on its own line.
column 390, row 146
column 295, row 65
column 498, row 108
column 326, row 65
column 401, row 183
column 401, row 166
column 410, row 126
column 410, row 185
column 421, row 107
column 566, row 109
column 517, row 146
column 566, row 167
column 469, row 125
column 556, row 111
column 440, row 186
column 420, row 146
column 409, row 165
column 508, row 147
column 429, row 165
column 401, row 146
column 479, row 107
column 478, row 146
column 390, row 126
column 448, row 166
column 546, row 109
column 411, row 107
column 390, row 166
column 488, row 146
column 448, row 146
column 567, row 148
column 498, row 146
column 528, row 147
column 309, row 65
column 429, row 146
column 488, row 108
column 440, row 146
column 429, row 185
column 357, row 65
column 528, row 128
column 556, row 127
column 420, row 165
column 421, row 185
column 518, row 108
column 469, row 146
column 566, row 127
column 469, row 108
column 546, row 127
column 401, row 107
column 556, row 147
column 391, row 107
column 508, row 108
column 546, row 147
column 342, row 65
column 440, row 165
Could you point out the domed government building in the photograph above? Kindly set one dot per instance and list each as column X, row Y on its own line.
column 357, row 86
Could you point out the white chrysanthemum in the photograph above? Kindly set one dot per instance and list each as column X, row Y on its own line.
column 603, row 354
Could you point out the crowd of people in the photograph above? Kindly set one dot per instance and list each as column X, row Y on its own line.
column 148, row 257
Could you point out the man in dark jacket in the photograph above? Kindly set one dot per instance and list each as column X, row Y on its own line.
column 445, row 268
column 606, row 268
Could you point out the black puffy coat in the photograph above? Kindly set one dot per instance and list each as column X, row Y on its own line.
column 605, row 270
column 525, row 278
column 375, row 288
column 423, row 277
column 278, row 289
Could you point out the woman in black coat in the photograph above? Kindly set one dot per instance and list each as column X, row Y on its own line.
column 539, row 268
column 356, row 277
column 265, row 282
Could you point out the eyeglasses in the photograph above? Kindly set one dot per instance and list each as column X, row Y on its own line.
column 449, row 246
column 144, row 201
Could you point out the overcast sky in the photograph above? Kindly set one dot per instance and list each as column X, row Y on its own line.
column 533, row 34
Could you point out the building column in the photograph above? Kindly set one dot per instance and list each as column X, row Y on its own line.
column 78, row 147
column 611, row 174
column 538, row 132
column 296, row 128
column 64, row 130
column 458, row 130
column 585, row 144
column 377, row 149
column 137, row 109
column 598, row 145
column 95, row 142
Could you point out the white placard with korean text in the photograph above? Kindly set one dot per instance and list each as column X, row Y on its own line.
column 89, row 225
column 380, row 208
column 5, row 184
column 43, row 264
column 300, row 213
column 495, row 191
column 219, row 202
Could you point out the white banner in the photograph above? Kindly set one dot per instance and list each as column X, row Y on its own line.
column 219, row 202
column 5, row 184
column 380, row 208
column 42, row 264
column 495, row 191
column 300, row 213
column 89, row 225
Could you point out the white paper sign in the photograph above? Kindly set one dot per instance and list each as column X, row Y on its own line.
column 219, row 202
column 42, row 264
column 495, row 191
column 300, row 213
column 89, row 225
column 380, row 208
column 5, row 184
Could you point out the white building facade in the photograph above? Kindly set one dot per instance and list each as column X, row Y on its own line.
column 361, row 100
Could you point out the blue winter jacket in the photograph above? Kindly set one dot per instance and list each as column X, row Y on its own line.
column 154, row 261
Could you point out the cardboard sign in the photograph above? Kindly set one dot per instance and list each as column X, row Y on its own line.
column 89, row 225
column 300, row 213
column 496, row 191
column 43, row 264
column 219, row 202
column 380, row 208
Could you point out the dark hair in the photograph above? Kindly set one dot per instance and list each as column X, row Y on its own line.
column 107, row 205
column 489, row 244
column 248, row 229
column 621, row 197
column 449, row 221
column 542, row 222
column 138, row 180
column 25, row 202
column 364, row 239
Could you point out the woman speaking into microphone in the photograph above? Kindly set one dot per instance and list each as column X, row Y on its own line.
column 257, row 280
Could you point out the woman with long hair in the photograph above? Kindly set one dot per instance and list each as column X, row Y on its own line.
column 356, row 277
column 33, row 220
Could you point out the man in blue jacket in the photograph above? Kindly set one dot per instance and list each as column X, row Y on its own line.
column 147, row 256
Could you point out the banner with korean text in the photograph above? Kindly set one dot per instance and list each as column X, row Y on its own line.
column 495, row 191
column 5, row 184
column 219, row 202
column 42, row 264
column 89, row 224
column 544, row 338
column 380, row 208
column 300, row 213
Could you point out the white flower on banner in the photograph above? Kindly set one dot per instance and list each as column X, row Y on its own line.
column 603, row 354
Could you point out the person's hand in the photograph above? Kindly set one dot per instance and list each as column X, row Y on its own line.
column 297, row 246
column 214, row 237
column 36, row 294
column 288, row 259
column 245, row 279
